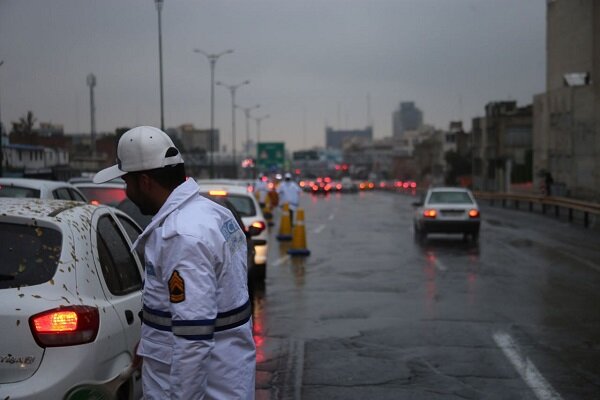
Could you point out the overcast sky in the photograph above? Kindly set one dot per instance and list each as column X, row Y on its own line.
column 311, row 63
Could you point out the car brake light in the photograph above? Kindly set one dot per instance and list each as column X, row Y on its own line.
column 217, row 193
column 95, row 202
column 413, row 185
column 429, row 213
column 65, row 326
column 259, row 224
column 338, row 186
column 473, row 213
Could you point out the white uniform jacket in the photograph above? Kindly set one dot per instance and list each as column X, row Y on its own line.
column 289, row 192
column 262, row 189
column 196, row 313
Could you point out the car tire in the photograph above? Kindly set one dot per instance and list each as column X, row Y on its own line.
column 260, row 271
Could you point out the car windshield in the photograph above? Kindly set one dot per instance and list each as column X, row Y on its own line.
column 450, row 198
column 16, row 191
column 243, row 204
column 104, row 195
column 30, row 254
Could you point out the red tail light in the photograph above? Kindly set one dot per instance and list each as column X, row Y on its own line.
column 429, row 213
column 413, row 185
column 259, row 224
column 65, row 326
column 474, row 213
column 338, row 186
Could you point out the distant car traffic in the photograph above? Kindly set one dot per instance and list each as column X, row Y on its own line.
column 249, row 210
column 70, row 290
column 39, row 189
column 447, row 210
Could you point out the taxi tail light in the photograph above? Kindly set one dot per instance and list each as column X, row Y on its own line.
column 430, row 213
column 474, row 213
column 259, row 225
column 65, row 326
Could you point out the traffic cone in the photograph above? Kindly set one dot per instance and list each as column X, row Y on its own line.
column 299, row 236
column 267, row 211
column 285, row 226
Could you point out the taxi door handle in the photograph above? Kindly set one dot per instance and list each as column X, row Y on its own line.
column 129, row 316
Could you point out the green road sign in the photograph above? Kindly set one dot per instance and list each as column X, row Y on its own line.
column 271, row 156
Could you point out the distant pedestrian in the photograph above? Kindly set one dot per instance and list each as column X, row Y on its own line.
column 289, row 192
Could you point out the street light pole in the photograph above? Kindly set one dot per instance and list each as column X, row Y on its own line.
column 1, row 135
column 91, row 82
column 258, row 120
column 232, row 89
column 247, row 114
column 159, row 6
column 212, row 59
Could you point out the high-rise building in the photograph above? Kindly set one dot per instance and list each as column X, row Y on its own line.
column 407, row 117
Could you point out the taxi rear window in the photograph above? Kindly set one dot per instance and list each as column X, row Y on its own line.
column 450, row 198
column 17, row 191
column 29, row 254
column 243, row 204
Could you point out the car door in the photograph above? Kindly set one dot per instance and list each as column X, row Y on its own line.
column 122, row 275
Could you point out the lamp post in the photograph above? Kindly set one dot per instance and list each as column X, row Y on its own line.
column 258, row 121
column 91, row 82
column 1, row 135
column 232, row 89
column 159, row 6
column 212, row 59
column 247, row 114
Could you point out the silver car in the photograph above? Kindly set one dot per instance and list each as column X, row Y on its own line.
column 39, row 189
column 447, row 210
column 70, row 290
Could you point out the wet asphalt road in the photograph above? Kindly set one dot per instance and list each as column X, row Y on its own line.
column 372, row 314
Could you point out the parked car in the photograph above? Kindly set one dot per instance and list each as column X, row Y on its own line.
column 39, row 189
column 447, row 210
column 249, row 210
column 70, row 290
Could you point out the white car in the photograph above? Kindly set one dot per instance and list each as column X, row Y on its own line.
column 39, row 189
column 447, row 210
column 249, row 210
column 70, row 290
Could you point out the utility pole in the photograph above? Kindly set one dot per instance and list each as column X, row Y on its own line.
column 91, row 82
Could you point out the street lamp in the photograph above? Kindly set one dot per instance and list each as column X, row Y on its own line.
column 247, row 114
column 232, row 89
column 212, row 59
column 91, row 82
column 258, row 120
column 159, row 6
column 1, row 132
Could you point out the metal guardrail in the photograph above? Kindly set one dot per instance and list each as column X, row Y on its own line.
column 546, row 202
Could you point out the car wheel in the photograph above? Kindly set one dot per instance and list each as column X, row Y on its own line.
column 260, row 271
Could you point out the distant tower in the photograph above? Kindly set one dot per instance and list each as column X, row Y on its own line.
column 91, row 82
column 407, row 117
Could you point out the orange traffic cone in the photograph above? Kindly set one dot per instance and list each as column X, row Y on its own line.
column 299, row 236
column 267, row 211
column 285, row 226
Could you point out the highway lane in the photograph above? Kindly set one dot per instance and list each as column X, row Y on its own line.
column 374, row 314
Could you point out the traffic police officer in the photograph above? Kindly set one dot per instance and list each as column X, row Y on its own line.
column 197, row 332
column 289, row 192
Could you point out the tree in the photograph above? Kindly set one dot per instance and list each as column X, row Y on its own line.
column 458, row 165
column 25, row 124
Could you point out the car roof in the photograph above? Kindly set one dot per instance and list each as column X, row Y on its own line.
column 233, row 189
column 449, row 189
column 41, row 208
column 34, row 183
column 109, row 184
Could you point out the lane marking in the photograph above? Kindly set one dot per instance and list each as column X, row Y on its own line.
column 319, row 229
column 529, row 373
column 282, row 260
column 294, row 369
column 438, row 264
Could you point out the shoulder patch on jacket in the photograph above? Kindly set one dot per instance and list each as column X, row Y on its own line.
column 176, row 288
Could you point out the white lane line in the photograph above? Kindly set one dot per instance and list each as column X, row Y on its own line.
column 282, row 260
column 319, row 229
column 439, row 265
column 530, row 374
column 331, row 217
